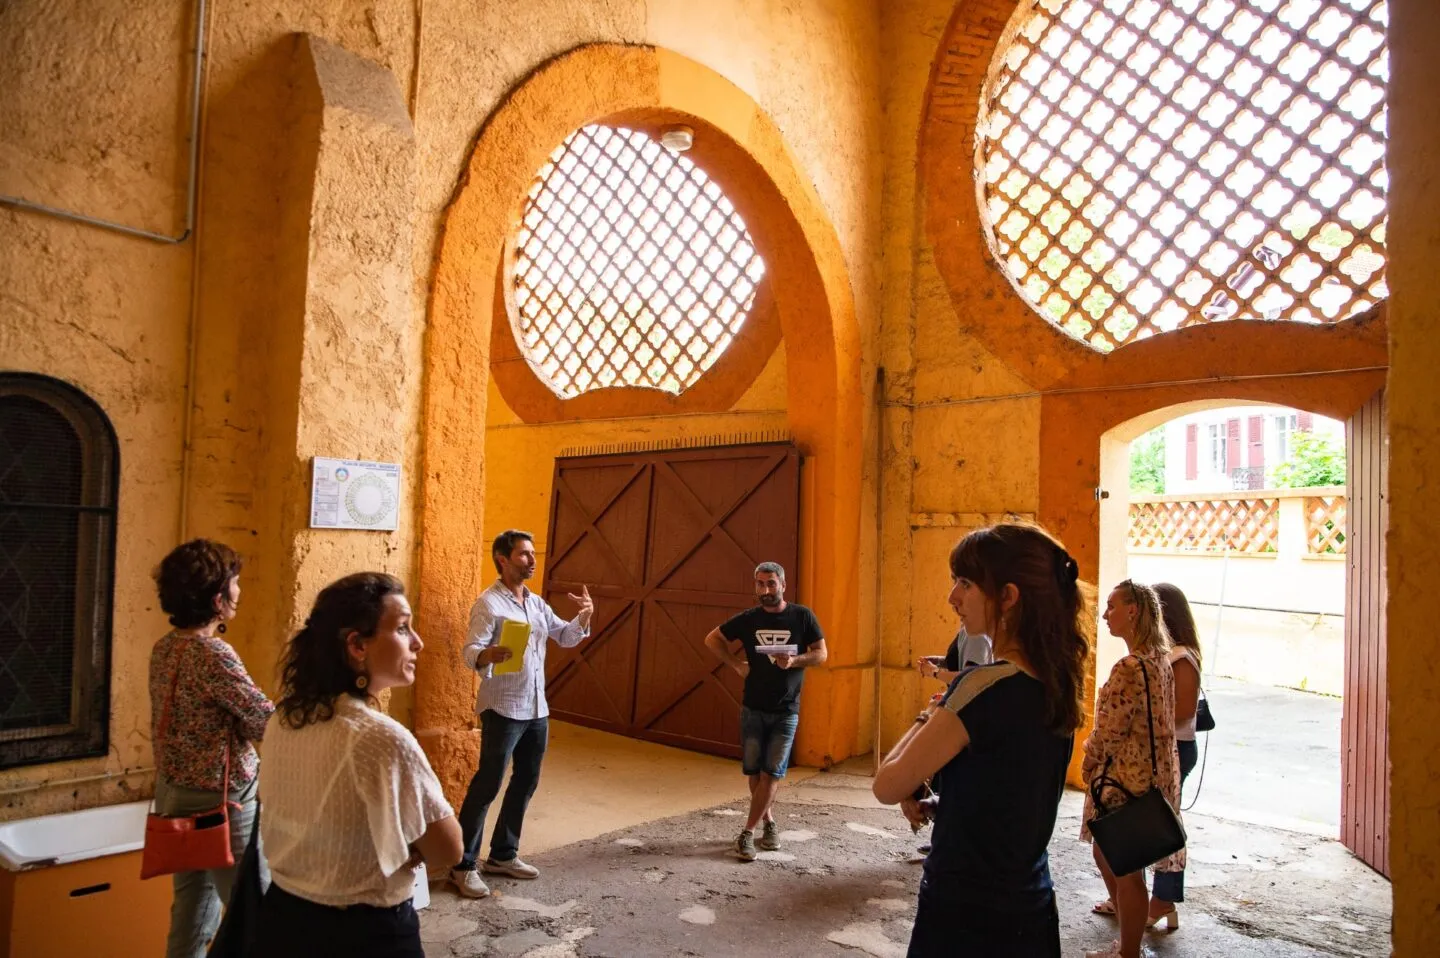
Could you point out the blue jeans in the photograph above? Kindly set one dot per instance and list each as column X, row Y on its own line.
column 1170, row 886
column 200, row 896
column 502, row 739
column 765, row 740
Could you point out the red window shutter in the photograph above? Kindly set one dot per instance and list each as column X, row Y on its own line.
column 1257, row 442
column 1305, row 422
column 1192, row 451
column 1232, row 444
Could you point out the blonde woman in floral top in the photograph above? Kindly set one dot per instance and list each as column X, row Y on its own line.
column 204, row 710
column 1121, row 737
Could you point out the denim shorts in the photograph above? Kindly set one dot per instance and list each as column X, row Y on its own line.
column 765, row 740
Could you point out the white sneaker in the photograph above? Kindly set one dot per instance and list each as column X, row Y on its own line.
column 515, row 868
column 469, row 883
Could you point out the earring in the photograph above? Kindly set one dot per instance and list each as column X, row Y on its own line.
column 220, row 628
column 361, row 681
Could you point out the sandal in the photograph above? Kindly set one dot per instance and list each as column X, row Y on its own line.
column 1106, row 907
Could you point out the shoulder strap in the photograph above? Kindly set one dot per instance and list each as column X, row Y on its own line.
column 1150, row 716
column 979, row 678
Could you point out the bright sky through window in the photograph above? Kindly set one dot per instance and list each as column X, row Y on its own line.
column 1152, row 164
column 630, row 268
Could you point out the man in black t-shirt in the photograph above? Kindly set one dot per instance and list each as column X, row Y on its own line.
column 769, row 646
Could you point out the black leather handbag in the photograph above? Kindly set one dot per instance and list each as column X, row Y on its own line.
column 1143, row 830
column 1204, row 719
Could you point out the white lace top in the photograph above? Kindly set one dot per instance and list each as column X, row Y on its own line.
column 341, row 802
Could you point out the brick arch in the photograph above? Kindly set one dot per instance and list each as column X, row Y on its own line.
column 988, row 306
column 1331, row 369
column 810, row 290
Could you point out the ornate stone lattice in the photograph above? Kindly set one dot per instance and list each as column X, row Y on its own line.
column 630, row 267
column 1151, row 164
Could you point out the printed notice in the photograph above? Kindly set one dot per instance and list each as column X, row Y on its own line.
column 354, row 494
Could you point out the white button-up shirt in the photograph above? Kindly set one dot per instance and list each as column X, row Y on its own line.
column 521, row 694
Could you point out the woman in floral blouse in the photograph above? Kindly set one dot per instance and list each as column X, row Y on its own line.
column 205, row 712
column 1121, row 738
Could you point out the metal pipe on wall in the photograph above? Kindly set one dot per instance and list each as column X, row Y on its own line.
column 24, row 204
column 879, row 656
column 58, row 782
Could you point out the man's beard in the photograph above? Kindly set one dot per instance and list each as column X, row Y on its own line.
column 768, row 600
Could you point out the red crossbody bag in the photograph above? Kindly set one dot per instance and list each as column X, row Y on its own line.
column 187, row 843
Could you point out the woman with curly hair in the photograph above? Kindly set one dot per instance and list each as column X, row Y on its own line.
column 1136, row 701
column 351, row 804
column 1000, row 740
column 206, row 714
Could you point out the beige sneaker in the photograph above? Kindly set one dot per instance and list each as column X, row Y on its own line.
column 514, row 868
column 469, row 883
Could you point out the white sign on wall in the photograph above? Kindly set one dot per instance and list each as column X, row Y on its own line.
column 354, row 494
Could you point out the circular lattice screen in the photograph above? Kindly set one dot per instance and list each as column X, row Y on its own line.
column 1151, row 164
column 631, row 267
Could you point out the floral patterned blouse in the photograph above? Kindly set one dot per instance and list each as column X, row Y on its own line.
column 1122, row 735
column 215, row 703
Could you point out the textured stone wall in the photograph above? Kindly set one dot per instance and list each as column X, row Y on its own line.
column 1413, row 400
column 95, row 111
column 101, row 311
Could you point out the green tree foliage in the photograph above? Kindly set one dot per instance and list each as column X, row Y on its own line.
column 1147, row 463
column 1314, row 461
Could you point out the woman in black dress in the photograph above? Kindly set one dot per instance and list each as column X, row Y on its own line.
column 1001, row 740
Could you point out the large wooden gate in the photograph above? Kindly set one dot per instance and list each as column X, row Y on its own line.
column 1364, row 730
column 667, row 543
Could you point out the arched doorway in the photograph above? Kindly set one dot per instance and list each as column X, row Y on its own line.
column 812, row 299
column 1320, row 548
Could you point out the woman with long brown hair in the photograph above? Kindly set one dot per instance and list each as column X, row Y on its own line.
column 1136, row 702
column 1168, row 887
column 1000, row 740
column 352, row 806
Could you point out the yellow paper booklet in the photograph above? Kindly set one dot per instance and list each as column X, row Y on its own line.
column 514, row 636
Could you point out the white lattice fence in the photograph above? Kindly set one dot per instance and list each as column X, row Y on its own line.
column 1249, row 525
column 1325, row 526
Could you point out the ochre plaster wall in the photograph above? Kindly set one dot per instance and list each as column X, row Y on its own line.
column 1413, row 399
column 812, row 291
column 990, row 410
column 95, row 110
column 100, row 311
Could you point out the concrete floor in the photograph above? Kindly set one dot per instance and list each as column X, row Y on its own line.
column 633, row 840
column 595, row 782
column 1273, row 759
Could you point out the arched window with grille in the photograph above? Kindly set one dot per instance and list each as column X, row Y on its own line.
column 631, row 268
column 59, row 464
column 1146, row 165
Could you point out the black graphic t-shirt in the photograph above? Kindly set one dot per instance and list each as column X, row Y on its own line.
column 769, row 688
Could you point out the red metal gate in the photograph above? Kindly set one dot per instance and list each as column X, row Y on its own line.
column 1364, row 733
column 667, row 543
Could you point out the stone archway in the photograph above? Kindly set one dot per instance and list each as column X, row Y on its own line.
column 813, row 300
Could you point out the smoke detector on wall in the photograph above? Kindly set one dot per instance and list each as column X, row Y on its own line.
column 677, row 139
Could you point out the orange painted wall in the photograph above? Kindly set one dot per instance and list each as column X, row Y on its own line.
column 993, row 411
column 738, row 144
column 1413, row 400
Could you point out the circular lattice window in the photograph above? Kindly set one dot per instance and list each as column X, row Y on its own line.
column 630, row 267
column 1151, row 164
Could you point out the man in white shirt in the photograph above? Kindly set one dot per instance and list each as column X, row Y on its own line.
column 514, row 716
